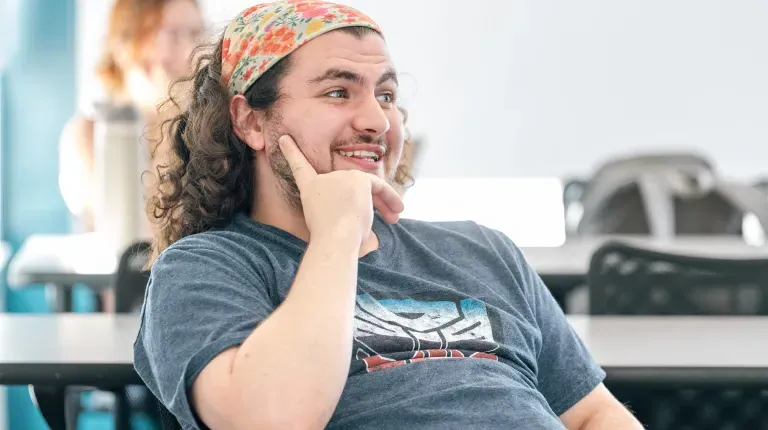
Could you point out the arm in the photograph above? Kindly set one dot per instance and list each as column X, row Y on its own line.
column 599, row 410
column 214, row 345
column 302, row 390
column 295, row 364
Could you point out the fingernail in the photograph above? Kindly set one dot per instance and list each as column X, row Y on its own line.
column 281, row 140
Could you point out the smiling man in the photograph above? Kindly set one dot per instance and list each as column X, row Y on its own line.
column 287, row 293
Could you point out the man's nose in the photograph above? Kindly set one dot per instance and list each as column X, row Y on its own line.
column 370, row 118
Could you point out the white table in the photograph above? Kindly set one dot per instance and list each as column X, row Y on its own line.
column 51, row 352
column 61, row 261
column 97, row 349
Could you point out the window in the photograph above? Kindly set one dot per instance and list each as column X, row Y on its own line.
column 528, row 210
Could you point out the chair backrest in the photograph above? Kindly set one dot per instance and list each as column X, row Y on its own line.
column 625, row 279
column 630, row 195
column 622, row 167
column 131, row 278
column 665, row 203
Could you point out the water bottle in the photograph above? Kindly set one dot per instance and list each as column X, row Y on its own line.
column 117, row 160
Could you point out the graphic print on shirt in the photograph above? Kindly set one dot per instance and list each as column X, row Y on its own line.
column 390, row 333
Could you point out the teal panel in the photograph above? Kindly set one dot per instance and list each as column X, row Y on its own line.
column 38, row 96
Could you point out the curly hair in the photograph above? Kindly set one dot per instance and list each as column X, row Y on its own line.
column 208, row 175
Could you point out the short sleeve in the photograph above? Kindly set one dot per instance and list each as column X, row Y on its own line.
column 201, row 300
column 566, row 370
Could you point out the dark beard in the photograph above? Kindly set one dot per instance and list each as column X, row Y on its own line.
column 282, row 169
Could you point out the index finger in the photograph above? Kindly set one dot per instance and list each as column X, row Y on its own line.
column 303, row 172
column 386, row 199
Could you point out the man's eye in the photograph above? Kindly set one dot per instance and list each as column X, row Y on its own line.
column 386, row 98
column 337, row 94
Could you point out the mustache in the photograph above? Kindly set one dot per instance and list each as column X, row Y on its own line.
column 362, row 138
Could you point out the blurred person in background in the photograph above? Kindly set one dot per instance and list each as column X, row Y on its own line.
column 148, row 47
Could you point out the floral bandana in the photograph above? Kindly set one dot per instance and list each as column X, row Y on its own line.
column 262, row 35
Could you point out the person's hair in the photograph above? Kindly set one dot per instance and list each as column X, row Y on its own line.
column 210, row 174
column 134, row 23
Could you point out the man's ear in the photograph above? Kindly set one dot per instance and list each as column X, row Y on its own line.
column 247, row 122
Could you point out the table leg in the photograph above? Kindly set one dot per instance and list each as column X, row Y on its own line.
column 61, row 296
column 122, row 411
column 51, row 402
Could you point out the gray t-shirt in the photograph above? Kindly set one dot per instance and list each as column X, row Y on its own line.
column 453, row 329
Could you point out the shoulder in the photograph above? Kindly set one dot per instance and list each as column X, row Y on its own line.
column 448, row 232
column 237, row 240
column 240, row 248
column 467, row 242
column 199, row 271
column 77, row 131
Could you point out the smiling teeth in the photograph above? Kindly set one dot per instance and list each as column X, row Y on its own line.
column 360, row 154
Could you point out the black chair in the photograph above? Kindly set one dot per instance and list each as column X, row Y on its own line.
column 131, row 278
column 629, row 280
column 130, row 286
column 662, row 406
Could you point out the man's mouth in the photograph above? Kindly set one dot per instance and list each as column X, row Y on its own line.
column 366, row 151
column 363, row 155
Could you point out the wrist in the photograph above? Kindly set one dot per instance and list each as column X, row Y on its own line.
column 339, row 238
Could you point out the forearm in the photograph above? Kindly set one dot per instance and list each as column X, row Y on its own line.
column 295, row 364
column 615, row 418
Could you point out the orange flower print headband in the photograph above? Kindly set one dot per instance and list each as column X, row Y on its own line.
column 262, row 35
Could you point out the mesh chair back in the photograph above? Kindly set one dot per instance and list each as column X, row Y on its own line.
column 695, row 406
column 131, row 279
column 627, row 280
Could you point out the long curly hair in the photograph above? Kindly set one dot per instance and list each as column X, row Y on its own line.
column 207, row 174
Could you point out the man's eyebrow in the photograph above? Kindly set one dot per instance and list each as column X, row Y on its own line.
column 338, row 74
column 348, row 75
column 389, row 75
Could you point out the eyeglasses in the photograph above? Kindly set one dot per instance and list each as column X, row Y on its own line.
column 176, row 36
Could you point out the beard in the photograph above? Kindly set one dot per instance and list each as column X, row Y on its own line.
column 282, row 170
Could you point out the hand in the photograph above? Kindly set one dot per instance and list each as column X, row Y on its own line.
column 340, row 201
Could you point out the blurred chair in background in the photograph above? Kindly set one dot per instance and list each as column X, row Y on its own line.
column 627, row 280
column 660, row 195
column 613, row 190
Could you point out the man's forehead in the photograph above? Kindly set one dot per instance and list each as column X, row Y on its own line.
column 337, row 50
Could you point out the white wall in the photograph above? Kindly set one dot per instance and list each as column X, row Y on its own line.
column 550, row 87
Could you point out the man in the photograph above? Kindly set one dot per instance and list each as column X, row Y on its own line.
column 282, row 299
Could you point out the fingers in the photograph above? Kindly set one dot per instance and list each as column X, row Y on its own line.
column 303, row 172
column 386, row 199
column 388, row 216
